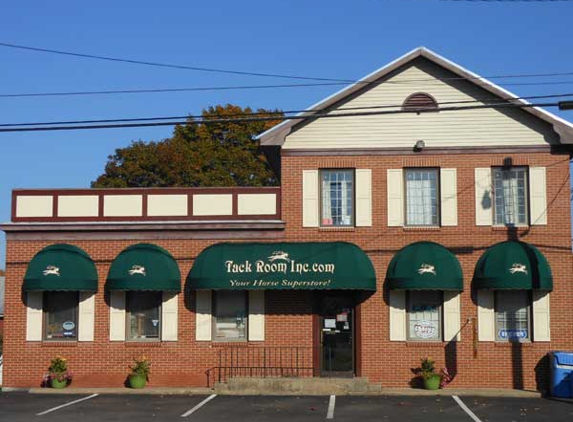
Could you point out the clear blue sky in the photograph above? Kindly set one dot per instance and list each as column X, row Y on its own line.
column 325, row 38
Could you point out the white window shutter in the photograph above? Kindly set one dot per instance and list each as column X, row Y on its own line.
column 541, row 323
column 86, row 316
column 117, row 316
column 484, row 197
column 310, row 202
column 397, row 315
column 395, row 190
column 169, row 316
column 203, row 317
column 256, row 315
column 538, row 195
column 34, row 316
column 449, row 197
column 363, row 198
column 486, row 315
column 452, row 316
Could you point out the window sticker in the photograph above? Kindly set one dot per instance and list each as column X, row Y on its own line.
column 68, row 325
column 425, row 329
column 513, row 334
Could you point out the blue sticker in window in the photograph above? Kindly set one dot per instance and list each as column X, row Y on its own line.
column 513, row 334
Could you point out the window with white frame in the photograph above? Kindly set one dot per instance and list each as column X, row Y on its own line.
column 230, row 315
column 512, row 315
column 510, row 195
column 424, row 313
column 421, row 197
column 143, row 315
column 337, row 193
column 60, row 315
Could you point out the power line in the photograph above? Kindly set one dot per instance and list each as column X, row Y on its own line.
column 266, row 113
column 265, row 119
column 262, row 74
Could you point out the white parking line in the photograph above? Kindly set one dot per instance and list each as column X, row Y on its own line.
column 66, row 404
column 204, row 402
column 331, row 403
column 466, row 409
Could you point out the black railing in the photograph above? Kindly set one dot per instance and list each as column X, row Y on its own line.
column 262, row 362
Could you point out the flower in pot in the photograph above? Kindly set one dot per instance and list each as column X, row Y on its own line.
column 139, row 374
column 58, row 376
column 430, row 378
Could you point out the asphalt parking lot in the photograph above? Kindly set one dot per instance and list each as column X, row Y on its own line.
column 19, row 407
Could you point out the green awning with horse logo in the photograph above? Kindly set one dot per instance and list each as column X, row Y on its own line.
column 144, row 267
column 282, row 266
column 61, row 267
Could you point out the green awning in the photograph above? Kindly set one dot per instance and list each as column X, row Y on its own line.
column 425, row 266
column 513, row 265
column 282, row 266
column 144, row 267
column 61, row 267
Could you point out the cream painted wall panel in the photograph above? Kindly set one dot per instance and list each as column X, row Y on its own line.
column 257, row 204
column 363, row 197
column 256, row 326
column 169, row 316
column 486, row 315
column 34, row 316
column 221, row 204
column 449, row 197
column 310, row 200
column 86, row 316
column 34, row 206
column 78, row 206
column 123, row 205
column 116, row 316
column 538, row 195
column 484, row 197
column 541, row 316
column 167, row 205
column 397, row 315
column 203, row 315
column 452, row 316
column 479, row 127
column 395, row 197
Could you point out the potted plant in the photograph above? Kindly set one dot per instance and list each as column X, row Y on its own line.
column 139, row 374
column 430, row 378
column 58, row 376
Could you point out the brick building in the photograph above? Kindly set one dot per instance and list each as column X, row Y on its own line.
column 393, row 236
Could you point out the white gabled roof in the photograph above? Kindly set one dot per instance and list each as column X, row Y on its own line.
column 276, row 135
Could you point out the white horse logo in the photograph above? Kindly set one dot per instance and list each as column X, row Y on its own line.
column 51, row 270
column 518, row 268
column 427, row 268
column 279, row 255
column 137, row 269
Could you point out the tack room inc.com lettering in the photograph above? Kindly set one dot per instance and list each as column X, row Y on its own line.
column 262, row 267
column 288, row 284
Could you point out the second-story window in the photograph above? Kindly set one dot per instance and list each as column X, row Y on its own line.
column 510, row 195
column 337, row 193
column 421, row 197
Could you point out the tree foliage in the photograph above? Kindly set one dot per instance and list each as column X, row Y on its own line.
column 216, row 154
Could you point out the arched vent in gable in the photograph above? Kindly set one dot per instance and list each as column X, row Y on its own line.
column 419, row 102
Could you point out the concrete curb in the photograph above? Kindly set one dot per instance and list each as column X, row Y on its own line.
column 406, row 392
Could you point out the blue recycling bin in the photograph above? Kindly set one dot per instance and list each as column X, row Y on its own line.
column 561, row 374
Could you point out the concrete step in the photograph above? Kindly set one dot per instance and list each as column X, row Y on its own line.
column 283, row 385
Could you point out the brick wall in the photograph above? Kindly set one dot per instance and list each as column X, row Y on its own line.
column 289, row 320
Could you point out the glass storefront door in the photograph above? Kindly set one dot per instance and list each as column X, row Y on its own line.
column 336, row 336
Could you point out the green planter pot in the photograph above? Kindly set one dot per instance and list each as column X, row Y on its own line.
column 433, row 382
column 137, row 381
column 58, row 384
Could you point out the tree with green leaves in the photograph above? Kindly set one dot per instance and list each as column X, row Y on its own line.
column 198, row 154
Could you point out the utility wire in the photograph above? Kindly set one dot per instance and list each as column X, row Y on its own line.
column 266, row 119
column 279, row 114
column 260, row 74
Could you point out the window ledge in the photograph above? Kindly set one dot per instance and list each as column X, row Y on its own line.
column 231, row 343
column 421, row 228
column 47, row 343
column 505, row 228
column 513, row 344
column 142, row 344
column 440, row 344
column 337, row 229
